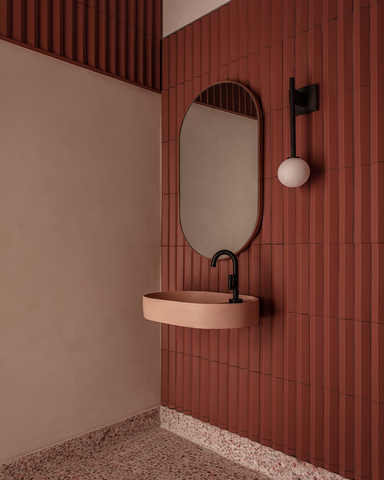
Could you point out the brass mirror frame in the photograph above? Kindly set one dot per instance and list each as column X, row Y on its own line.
column 260, row 163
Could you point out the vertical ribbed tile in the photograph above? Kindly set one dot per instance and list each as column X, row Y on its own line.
column 289, row 418
column 302, row 421
column 18, row 20
column 346, row 435
column 32, row 22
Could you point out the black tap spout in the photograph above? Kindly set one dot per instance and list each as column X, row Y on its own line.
column 233, row 280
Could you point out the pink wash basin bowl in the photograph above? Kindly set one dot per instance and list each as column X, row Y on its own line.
column 200, row 309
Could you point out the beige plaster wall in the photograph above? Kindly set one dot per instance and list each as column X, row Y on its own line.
column 79, row 245
column 179, row 13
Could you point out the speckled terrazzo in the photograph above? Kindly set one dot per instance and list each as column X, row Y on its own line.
column 275, row 465
column 78, row 448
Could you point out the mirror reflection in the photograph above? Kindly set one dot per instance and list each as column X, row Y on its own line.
column 220, row 169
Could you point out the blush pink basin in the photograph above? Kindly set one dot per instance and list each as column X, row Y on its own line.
column 200, row 309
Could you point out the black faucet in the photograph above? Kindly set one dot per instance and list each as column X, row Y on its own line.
column 233, row 280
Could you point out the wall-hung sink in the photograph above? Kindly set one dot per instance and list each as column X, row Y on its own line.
column 200, row 309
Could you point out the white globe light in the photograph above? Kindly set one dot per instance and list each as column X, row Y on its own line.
column 293, row 172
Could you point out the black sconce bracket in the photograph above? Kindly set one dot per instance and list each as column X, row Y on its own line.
column 303, row 100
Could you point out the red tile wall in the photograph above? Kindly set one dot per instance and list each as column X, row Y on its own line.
column 119, row 37
column 309, row 379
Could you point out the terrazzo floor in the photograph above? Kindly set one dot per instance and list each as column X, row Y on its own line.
column 155, row 455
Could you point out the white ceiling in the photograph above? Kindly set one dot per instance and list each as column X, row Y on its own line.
column 178, row 13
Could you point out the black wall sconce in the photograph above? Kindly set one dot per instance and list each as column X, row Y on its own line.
column 295, row 171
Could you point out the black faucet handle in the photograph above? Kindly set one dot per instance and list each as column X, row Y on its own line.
column 231, row 282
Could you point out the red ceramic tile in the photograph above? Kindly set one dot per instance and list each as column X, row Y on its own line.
column 346, row 357
column 316, row 145
column 179, row 382
column 277, row 76
column 289, row 418
column 223, row 345
column 254, row 406
column 6, row 19
column 172, row 268
column 195, row 271
column 172, row 60
column 165, row 63
column 290, row 346
column 243, row 259
column 131, row 50
column 233, row 71
column 179, row 339
column 267, row 169
column 377, row 440
column 330, row 132
column 164, row 377
column 377, row 122
column 180, row 108
column 377, row 202
column 187, row 268
column 232, row 399
column 140, row 49
column 58, row 32
column 45, row 40
column 315, row 11
column 361, row 54
column 112, row 41
column 253, row 26
column 265, row 80
column 187, row 408
column 187, row 348
column 345, row 128
column 302, row 348
column 289, row 220
column 277, row 344
column 361, row 104
column 331, row 354
column 172, row 380
column 363, row 282
column 288, row 72
column 195, row 342
column 265, row 410
column 362, row 202
column 346, row 197
column 278, row 277
column 316, row 197
column 164, row 336
column 265, row 344
column 254, row 350
column 243, row 70
column 277, row 413
column 362, row 422
column 242, row 19
column 165, row 115
column 302, row 276
column 331, row 430
column 302, row 214
column 301, row 62
column 316, row 351
column 345, row 51
column 243, row 339
column 195, row 384
column 330, row 57
column 302, row 12
column 377, row 362
column 164, row 269
column 223, row 35
column 377, row 42
column 316, row 279
column 204, row 390
column 214, row 40
column 277, row 203
column 265, row 230
column 165, row 220
column 223, row 396
column 243, row 396
column 180, row 48
column 290, row 277
column 122, row 35
column 362, row 360
column 377, row 282
column 204, row 344
column 346, row 280
column 233, row 31
column 254, row 270
column 265, row 276
column 179, row 268
column 331, row 284
column 346, row 435
column 302, row 421
column 172, row 121
column 172, row 218
column 172, row 338
column 213, row 391
column 289, row 19
column 316, row 453
column 213, row 345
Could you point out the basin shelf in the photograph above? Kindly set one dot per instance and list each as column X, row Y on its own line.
column 208, row 310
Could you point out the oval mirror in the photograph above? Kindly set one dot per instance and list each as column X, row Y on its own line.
column 220, row 169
